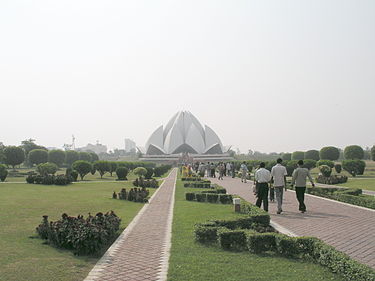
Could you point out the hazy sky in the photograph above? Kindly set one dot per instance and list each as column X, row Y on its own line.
column 265, row 75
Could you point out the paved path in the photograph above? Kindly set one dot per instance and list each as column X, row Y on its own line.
column 347, row 228
column 142, row 250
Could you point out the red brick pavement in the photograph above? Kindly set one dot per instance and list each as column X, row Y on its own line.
column 347, row 228
column 140, row 252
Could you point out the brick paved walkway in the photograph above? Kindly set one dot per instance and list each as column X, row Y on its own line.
column 142, row 250
column 348, row 229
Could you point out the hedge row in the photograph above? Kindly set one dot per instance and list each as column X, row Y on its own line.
column 209, row 197
column 49, row 179
column 134, row 194
column 198, row 185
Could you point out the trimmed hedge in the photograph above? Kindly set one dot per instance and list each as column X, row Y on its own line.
column 367, row 201
column 198, row 185
column 190, row 196
column 333, row 179
column 212, row 197
column 201, row 197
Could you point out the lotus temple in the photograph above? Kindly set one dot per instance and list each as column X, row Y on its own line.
column 184, row 136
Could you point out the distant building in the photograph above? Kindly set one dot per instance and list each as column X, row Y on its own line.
column 97, row 148
column 129, row 145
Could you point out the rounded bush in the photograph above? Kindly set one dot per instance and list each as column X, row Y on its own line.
column 3, row 172
column 354, row 167
column 329, row 153
column 140, row 171
column 325, row 170
column 353, row 152
column 312, row 154
column 338, row 168
column 329, row 163
column 298, row 155
column 122, row 173
column 47, row 168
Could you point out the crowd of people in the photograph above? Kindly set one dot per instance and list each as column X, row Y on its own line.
column 267, row 185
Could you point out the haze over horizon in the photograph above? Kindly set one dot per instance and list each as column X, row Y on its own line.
column 271, row 76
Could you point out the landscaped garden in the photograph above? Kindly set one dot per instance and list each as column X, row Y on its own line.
column 191, row 260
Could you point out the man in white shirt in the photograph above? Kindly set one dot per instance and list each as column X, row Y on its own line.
column 278, row 177
column 262, row 178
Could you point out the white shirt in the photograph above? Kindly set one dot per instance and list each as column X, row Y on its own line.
column 262, row 175
column 278, row 172
column 244, row 168
column 228, row 166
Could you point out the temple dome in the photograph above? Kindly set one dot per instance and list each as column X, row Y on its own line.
column 184, row 133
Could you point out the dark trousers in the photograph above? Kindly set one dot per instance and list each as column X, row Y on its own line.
column 300, row 193
column 263, row 196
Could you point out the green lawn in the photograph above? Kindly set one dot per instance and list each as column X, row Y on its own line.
column 368, row 184
column 193, row 261
column 25, row 257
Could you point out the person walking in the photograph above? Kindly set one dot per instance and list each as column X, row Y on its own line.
column 244, row 171
column 228, row 168
column 299, row 180
column 213, row 167
column 278, row 178
column 221, row 169
column 233, row 170
column 262, row 178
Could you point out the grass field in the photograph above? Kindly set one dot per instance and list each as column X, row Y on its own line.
column 23, row 255
column 193, row 261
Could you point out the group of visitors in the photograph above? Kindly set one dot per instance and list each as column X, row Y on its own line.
column 210, row 169
column 277, row 177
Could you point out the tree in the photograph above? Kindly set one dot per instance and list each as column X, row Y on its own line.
column 286, row 156
column 56, row 156
column 102, row 167
column 312, row 154
column 298, row 155
column 373, row 153
column 38, row 156
column 2, row 155
column 354, row 167
column 140, row 172
column 82, row 167
column 112, row 167
column 85, row 156
column 14, row 155
column 29, row 145
column 70, row 157
column 94, row 156
column 3, row 172
column 122, row 172
column 309, row 163
column 353, row 152
column 47, row 168
column 329, row 153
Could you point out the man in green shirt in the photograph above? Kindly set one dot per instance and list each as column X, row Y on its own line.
column 299, row 179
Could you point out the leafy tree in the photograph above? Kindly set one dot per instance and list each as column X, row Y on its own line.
column 38, row 156
column 3, row 172
column 2, row 154
column 112, row 167
column 122, row 173
column 298, row 155
column 102, row 167
column 70, row 157
column 29, row 145
column 329, row 153
column 84, row 156
column 312, row 154
column 373, row 153
column 47, row 168
column 286, row 156
column 140, row 172
column 352, row 152
column 309, row 163
column 14, row 155
column 94, row 156
column 290, row 166
column 56, row 156
column 354, row 167
column 82, row 167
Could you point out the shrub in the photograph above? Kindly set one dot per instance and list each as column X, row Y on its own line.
column 48, row 179
column 333, row 179
column 329, row 163
column 354, row 167
column 47, row 168
column 38, row 156
column 325, row 170
column 30, row 178
column 161, row 170
column 312, row 154
column 298, row 155
column 201, row 197
column 150, row 172
column 122, row 173
column 338, row 168
column 83, row 236
column 56, row 156
column 221, row 191
column 134, row 194
column 353, row 152
column 3, row 172
column 62, row 180
column 72, row 174
column 140, row 172
column 212, row 198
column 287, row 246
column 329, row 153
column 363, row 200
column 351, row 191
column 206, row 233
column 190, row 196
column 290, row 166
column 309, row 164
column 82, row 167
column 262, row 242
column 225, row 198
column 232, row 239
